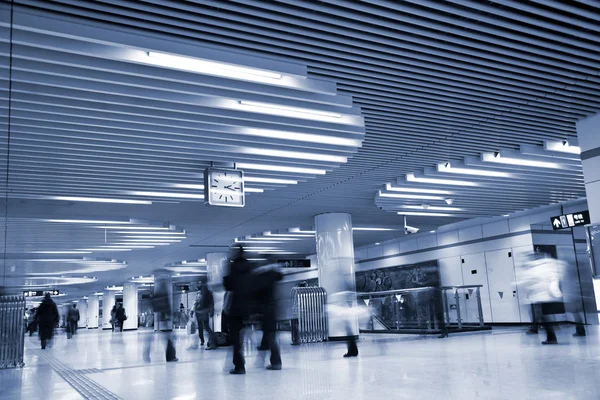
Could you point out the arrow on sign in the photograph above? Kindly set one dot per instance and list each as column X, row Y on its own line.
column 556, row 223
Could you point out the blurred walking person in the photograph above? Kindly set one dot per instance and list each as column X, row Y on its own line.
column 265, row 280
column 541, row 278
column 204, row 307
column 113, row 317
column 72, row 320
column 46, row 318
column 162, row 305
column 237, row 282
column 31, row 324
column 120, row 316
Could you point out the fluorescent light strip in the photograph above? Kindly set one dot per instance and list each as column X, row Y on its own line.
column 96, row 200
column 60, row 252
column 296, row 235
column 410, row 196
column 90, row 221
column 278, row 109
column 454, row 182
column 425, row 214
column 434, row 208
column 158, row 238
column 373, row 229
column 269, row 180
column 473, row 171
column 303, row 137
column 170, row 233
column 259, row 242
column 293, row 154
column 168, row 194
column 490, row 157
column 417, row 190
column 212, row 67
column 562, row 147
column 140, row 228
column 107, row 249
column 268, row 238
column 281, row 168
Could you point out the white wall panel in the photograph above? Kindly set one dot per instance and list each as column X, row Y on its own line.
column 445, row 238
column 375, row 251
column 391, row 249
column 495, row 228
column 504, row 298
column 474, row 273
column 471, row 233
column 519, row 224
column 427, row 241
column 408, row 245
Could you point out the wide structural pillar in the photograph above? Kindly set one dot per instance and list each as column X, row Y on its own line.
column 130, row 302
column 82, row 306
column 588, row 135
column 216, row 266
column 108, row 301
column 163, row 286
column 335, row 259
column 93, row 311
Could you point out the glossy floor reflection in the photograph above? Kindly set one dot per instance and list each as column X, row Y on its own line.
column 504, row 364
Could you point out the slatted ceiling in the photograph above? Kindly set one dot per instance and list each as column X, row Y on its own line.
column 435, row 82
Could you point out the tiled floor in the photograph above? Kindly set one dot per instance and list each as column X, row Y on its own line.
column 504, row 364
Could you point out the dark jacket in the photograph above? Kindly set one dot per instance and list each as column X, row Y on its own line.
column 238, row 283
column 205, row 305
column 120, row 314
column 47, row 314
column 73, row 314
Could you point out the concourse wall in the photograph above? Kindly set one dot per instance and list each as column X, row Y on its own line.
column 491, row 252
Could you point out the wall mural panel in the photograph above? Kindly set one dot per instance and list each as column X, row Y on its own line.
column 399, row 277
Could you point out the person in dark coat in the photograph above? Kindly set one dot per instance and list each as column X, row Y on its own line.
column 120, row 316
column 237, row 282
column 265, row 280
column 72, row 320
column 204, row 307
column 46, row 318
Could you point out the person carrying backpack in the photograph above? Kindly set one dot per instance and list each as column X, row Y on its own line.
column 204, row 307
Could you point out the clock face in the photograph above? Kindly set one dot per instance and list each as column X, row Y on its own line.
column 225, row 187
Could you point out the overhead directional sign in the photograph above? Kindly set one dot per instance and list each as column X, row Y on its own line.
column 570, row 220
column 40, row 293
column 294, row 263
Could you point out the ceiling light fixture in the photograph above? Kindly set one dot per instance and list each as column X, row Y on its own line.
column 562, row 147
column 96, row 200
column 269, row 180
column 435, row 181
column 410, row 196
column 293, row 154
column 168, row 194
column 139, row 228
column 170, row 233
column 372, row 229
column 281, row 168
column 497, row 158
column 427, row 214
column 212, row 67
column 90, row 221
column 59, row 252
column 416, row 190
column 434, row 208
column 304, row 137
column 286, row 111
column 472, row 171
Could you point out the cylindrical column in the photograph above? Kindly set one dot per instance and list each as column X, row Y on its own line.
column 335, row 259
column 82, row 306
column 163, row 287
column 93, row 311
column 216, row 266
column 130, row 302
column 108, row 301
